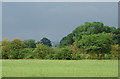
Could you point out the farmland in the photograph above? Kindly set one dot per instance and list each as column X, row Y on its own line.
column 59, row 68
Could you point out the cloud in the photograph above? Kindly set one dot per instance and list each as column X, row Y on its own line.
column 53, row 20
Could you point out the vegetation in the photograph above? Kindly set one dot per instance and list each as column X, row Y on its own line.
column 59, row 68
column 89, row 41
column 30, row 43
column 45, row 41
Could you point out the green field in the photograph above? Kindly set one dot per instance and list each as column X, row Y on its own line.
column 59, row 68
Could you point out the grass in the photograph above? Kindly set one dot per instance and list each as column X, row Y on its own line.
column 59, row 68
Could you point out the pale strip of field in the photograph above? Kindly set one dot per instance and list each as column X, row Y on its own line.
column 59, row 68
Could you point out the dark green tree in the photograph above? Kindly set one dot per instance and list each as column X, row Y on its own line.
column 46, row 41
column 30, row 43
column 118, row 36
column 99, row 43
column 88, row 29
column 68, row 40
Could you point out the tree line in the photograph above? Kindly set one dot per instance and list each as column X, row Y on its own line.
column 89, row 41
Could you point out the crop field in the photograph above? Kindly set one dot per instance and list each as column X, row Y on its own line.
column 59, row 68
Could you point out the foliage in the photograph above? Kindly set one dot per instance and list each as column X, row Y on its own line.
column 42, row 50
column 30, row 43
column 64, row 53
column 115, row 51
column 68, row 40
column 5, row 48
column 76, row 57
column 15, row 48
column 28, row 53
column 89, row 41
column 108, row 56
column 55, row 45
column 99, row 43
column 89, row 29
column 46, row 41
column 16, row 44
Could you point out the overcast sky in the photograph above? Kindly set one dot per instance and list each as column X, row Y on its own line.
column 53, row 20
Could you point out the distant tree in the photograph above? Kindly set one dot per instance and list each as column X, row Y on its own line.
column 55, row 45
column 115, row 51
column 17, row 44
column 46, row 41
column 14, row 49
column 30, row 43
column 113, row 30
column 42, row 50
column 68, row 40
column 106, row 29
column 96, row 27
column 118, row 36
column 87, row 29
column 64, row 53
column 100, row 43
column 5, row 48
column 38, row 42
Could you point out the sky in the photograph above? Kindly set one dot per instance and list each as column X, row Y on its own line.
column 0, row 21
column 54, row 20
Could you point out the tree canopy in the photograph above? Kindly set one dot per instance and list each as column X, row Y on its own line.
column 46, row 41
column 89, row 29
column 30, row 43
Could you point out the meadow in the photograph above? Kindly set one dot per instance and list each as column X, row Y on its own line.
column 91, row 50
column 59, row 68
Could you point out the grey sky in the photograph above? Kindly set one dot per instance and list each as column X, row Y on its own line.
column 53, row 20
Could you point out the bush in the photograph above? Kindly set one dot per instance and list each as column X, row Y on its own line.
column 13, row 54
column 64, row 53
column 107, row 56
column 49, row 56
column 28, row 53
column 14, row 49
column 5, row 48
column 85, row 56
column 42, row 50
column 58, row 55
column 76, row 57
column 30, row 43
column 115, row 51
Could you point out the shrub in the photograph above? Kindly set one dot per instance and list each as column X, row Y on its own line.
column 107, row 56
column 15, row 48
column 85, row 56
column 93, row 55
column 64, row 53
column 13, row 54
column 76, row 57
column 28, row 53
column 30, row 43
column 42, row 50
column 5, row 48
column 49, row 56
column 115, row 51
column 16, row 44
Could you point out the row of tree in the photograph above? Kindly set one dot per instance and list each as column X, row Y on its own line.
column 89, row 41
column 17, row 49
column 93, row 37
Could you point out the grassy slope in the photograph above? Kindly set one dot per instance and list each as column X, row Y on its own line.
column 60, row 68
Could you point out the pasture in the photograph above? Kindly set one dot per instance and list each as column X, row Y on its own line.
column 59, row 68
